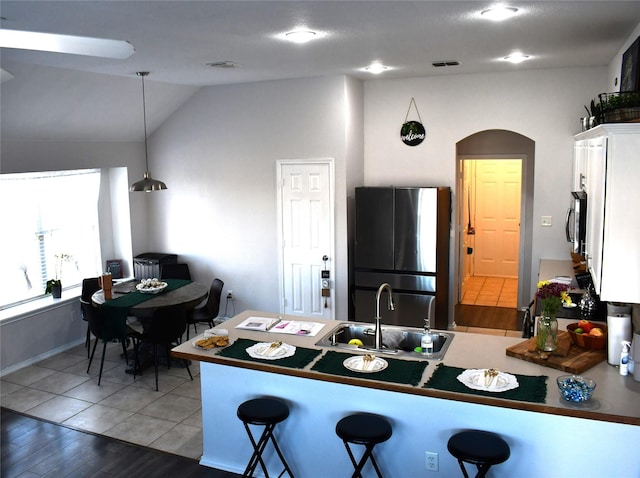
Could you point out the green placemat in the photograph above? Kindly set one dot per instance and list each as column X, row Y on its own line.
column 531, row 389
column 238, row 350
column 116, row 310
column 398, row 371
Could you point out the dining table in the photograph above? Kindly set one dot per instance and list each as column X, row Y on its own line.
column 127, row 301
column 188, row 293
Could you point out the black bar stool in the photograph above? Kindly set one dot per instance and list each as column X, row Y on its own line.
column 480, row 448
column 363, row 429
column 268, row 413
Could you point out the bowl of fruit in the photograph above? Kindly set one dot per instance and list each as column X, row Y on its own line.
column 151, row 286
column 575, row 388
column 587, row 334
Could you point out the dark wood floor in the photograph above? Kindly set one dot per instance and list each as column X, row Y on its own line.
column 32, row 448
column 488, row 317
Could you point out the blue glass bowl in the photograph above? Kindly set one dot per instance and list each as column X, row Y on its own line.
column 575, row 388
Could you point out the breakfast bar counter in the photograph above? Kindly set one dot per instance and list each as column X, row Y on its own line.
column 542, row 432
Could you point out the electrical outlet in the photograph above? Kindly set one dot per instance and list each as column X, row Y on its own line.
column 432, row 460
column 545, row 221
column 229, row 294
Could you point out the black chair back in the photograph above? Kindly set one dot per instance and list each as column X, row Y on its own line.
column 89, row 287
column 167, row 324
column 175, row 271
column 102, row 326
column 213, row 300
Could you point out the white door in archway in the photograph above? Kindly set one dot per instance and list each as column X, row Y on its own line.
column 306, row 236
column 497, row 211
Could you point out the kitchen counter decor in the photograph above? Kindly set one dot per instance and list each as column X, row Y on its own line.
column 530, row 388
column 238, row 350
column 397, row 371
column 552, row 295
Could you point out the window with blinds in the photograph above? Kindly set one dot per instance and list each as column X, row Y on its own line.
column 49, row 230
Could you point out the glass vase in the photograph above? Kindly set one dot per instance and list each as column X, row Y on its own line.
column 547, row 335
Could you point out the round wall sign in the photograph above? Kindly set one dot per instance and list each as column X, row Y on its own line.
column 412, row 133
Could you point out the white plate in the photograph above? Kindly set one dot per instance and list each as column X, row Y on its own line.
column 570, row 306
column 474, row 378
column 359, row 364
column 151, row 290
column 265, row 351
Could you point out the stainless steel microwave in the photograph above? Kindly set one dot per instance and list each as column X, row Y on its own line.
column 576, row 222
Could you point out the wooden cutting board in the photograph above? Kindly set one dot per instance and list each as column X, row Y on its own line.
column 568, row 358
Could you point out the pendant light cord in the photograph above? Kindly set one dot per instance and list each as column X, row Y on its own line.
column 144, row 119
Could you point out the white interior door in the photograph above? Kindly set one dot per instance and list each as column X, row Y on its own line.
column 498, row 185
column 306, row 237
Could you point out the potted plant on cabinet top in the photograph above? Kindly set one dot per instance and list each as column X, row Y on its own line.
column 621, row 107
column 54, row 286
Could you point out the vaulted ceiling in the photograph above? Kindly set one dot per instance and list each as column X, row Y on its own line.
column 55, row 96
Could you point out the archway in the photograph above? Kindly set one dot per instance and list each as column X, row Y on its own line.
column 478, row 149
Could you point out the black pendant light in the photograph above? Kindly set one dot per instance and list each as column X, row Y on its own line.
column 147, row 184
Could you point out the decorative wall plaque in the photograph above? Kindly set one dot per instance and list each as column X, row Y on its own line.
column 115, row 267
column 412, row 133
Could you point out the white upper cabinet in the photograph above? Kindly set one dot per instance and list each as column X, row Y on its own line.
column 609, row 158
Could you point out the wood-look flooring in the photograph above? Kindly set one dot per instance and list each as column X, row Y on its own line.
column 31, row 447
column 488, row 317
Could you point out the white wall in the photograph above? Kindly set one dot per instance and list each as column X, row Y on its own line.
column 218, row 156
column 544, row 105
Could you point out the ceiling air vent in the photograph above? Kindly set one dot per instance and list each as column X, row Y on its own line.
column 439, row 64
column 222, row 64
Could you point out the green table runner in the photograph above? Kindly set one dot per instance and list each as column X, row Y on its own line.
column 238, row 350
column 116, row 310
column 531, row 389
column 398, row 371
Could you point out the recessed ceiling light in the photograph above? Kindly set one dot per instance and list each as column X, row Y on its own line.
column 517, row 57
column 376, row 68
column 498, row 14
column 301, row 36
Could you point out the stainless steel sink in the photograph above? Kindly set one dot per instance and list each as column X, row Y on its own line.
column 396, row 340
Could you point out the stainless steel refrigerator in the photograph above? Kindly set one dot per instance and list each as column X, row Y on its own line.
column 402, row 238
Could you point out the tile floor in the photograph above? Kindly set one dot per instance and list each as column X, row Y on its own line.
column 58, row 389
column 490, row 291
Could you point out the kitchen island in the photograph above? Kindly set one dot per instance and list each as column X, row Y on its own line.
column 554, row 438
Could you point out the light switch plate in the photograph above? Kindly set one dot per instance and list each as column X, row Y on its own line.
column 545, row 221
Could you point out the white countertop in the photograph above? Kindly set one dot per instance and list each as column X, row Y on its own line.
column 615, row 399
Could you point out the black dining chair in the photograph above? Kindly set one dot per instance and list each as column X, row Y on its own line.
column 90, row 285
column 209, row 311
column 106, row 331
column 175, row 271
column 165, row 328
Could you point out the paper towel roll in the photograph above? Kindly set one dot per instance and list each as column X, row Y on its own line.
column 619, row 329
column 616, row 308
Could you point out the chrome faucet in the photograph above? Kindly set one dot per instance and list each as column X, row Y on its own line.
column 427, row 325
column 378, row 336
